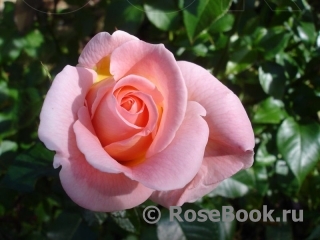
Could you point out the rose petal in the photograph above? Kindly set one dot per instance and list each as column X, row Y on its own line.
column 109, row 125
column 190, row 193
column 226, row 117
column 97, row 92
column 60, row 108
column 157, row 64
column 231, row 142
column 143, row 85
column 98, row 191
column 132, row 149
column 152, row 110
column 214, row 169
column 176, row 165
column 136, row 114
column 101, row 45
column 90, row 145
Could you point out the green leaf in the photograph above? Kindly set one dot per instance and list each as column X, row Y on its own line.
column 223, row 24
column 318, row 40
column 8, row 110
column 200, row 50
column 241, row 54
column 128, row 220
column 246, row 177
column 307, row 32
column 187, row 230
column 28, row 167
column 227, row 230
column 272, row 79
column 240, row 60
column 64, row 227
column 261, row 177
column 273, row 42
column 201, row 14
column 94, row 217
column 33, row 41
column 282, row 5
column 263, row 157
column 149, row 232
column 7, row 153
column 30, row 103
column 279, row 232
column 269, row 111
column 230, row 188
column 285, row 179
column 299, row 145
column 123, row 15
column 281, row 168
column 315, row 234
column 6, row 146
column 162, row 14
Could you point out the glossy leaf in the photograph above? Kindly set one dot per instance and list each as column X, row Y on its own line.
column 127, row 220
column 263, row 157
column 162, row 14
column 307, row 32
column 269, row 111
column 223, row 24
column 230, row 188
column 273, row 42
column 201, row 14
column 299, row 145
column 272, row 79
column 94, row 217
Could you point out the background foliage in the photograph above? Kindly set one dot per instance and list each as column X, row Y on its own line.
column 267, row 52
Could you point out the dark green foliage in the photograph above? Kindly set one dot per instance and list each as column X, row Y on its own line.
column 267, row 52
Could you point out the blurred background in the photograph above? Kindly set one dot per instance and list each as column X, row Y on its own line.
column 267, row 52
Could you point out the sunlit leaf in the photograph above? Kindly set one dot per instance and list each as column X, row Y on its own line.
column 307, row 32
column 272, row 79
column 299, row 145
column 163, row 14
column 223, row 24
column 201, row 14
column 269, row 111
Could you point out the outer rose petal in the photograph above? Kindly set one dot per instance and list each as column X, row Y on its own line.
column 213, row 170
column 60, row 108
column 157, row 64
column 98, row 191
column 190, row 193
column 228, row 121
column 85, row 185
column 101, row 45
column 231, row 139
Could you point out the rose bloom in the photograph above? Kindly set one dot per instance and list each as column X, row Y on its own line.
column 130, row 123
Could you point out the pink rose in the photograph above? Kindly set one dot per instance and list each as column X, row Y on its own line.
column 131, row 123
